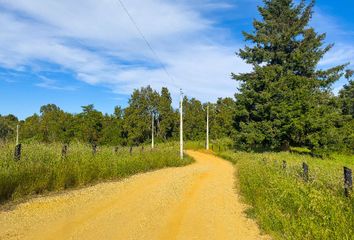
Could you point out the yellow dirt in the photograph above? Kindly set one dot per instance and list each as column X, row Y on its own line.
column 194, row 202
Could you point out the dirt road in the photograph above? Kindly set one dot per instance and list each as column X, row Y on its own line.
column 193, row 202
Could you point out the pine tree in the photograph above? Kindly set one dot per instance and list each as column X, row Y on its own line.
column 278, row 101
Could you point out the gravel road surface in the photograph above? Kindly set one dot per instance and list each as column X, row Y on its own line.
column 193, row 202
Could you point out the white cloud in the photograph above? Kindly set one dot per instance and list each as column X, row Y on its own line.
column 97, row 42
column 325, row 23
column 53, row 84
column 343, row 51
column 340, row 54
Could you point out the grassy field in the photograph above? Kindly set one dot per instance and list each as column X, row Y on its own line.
column 286, row 206
column 42, row 168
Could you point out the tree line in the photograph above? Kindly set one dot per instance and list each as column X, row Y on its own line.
column 130, row 126
column 286, row 100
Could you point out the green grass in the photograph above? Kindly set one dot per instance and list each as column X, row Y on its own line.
column 42, row 169
column 218, row 145
column 287, row 207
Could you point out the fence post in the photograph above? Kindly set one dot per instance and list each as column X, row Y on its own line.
column 305, row 168
column 142, row 148
column 348, row 181
column 131, row 150
column 284, row 164
column 17, row 154
column 64, row 151
column 212, row 147
column 219, row 148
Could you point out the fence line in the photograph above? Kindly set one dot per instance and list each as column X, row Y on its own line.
column 305, row 174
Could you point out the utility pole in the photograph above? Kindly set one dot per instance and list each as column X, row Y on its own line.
column 17, row 130
column 152, row 129
column 181, row 124
column 207, row 129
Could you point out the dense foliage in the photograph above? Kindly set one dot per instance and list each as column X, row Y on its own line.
column 130, row 126
column 286, row 101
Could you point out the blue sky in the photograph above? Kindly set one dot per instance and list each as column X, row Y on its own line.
column 74, row 53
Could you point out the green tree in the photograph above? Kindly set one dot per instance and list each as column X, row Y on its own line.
column 90, row 124
column 346, row 101
column 54, row 124
column 30, row 129
column 285, row 100
column 194, row 119
column 166, row 116
column 346, row 95
column 7, row 127
column 137, row 116
column 222, row 118
column 112, row 133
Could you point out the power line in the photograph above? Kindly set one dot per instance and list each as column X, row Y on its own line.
column 145, row 40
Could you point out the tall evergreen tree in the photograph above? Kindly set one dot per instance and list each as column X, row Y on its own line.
column 285, row 100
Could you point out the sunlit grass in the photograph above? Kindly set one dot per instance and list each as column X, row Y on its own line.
column 288, row 207
column 42, row 168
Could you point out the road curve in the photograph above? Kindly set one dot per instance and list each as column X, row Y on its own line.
column 193, row 202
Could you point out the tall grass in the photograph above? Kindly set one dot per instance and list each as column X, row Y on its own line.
column 42, row 168
column 288, row 207
column 217, row 145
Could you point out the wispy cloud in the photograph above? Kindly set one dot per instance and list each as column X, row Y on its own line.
column 53, row 84
column 96, row 41
column 323, row 22
column 343, row 50
column 340, row 54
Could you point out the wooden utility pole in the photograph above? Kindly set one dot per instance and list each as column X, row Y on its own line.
column 152, row 129
column 181, row 125
column 17, row 130
column 207, row 129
